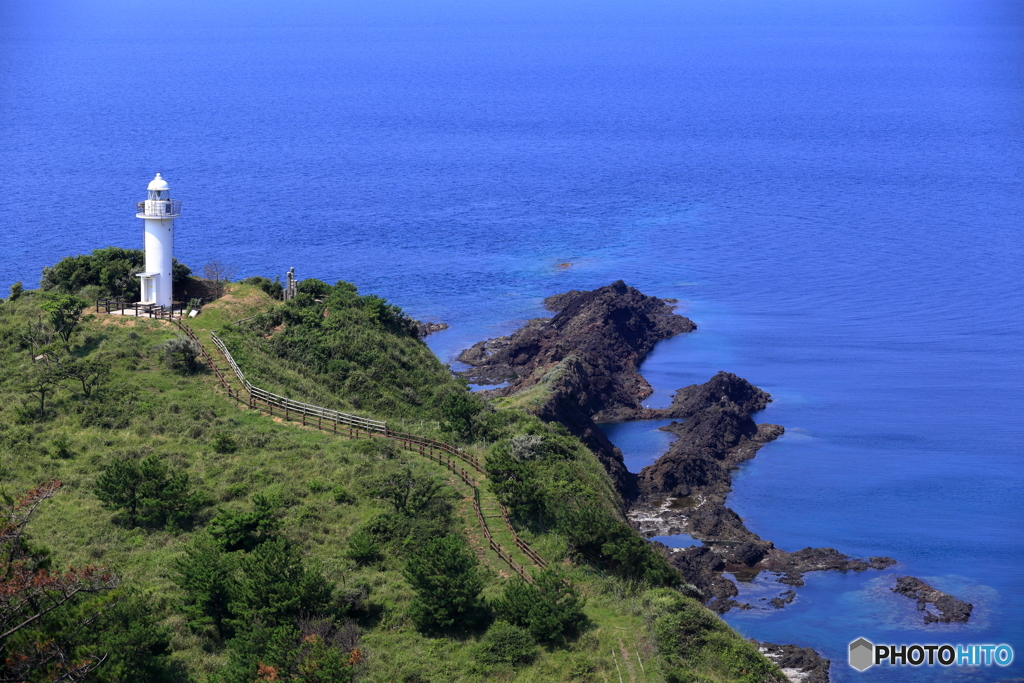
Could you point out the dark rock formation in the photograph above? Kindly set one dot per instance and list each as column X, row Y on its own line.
column 949, row 608
column 717, row 435
column 582, row 363
column 794, row 565
column 798, row 663
column 783, row 600
column 423, row 329
column 702, row 567
column 609, row 330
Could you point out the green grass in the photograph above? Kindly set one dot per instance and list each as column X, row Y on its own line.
column 146, row 407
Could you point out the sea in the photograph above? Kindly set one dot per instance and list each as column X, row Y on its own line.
column 832, row 191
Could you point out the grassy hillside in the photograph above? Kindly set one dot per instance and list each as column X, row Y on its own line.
column 263, row 496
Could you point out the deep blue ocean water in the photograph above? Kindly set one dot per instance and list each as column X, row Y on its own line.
column 832, row 190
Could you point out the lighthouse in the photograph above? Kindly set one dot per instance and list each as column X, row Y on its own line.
column 158, row 213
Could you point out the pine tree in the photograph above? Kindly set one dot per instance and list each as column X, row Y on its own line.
column 447, row 581
column 550, row 609
column 274, row 588
column 206, row 574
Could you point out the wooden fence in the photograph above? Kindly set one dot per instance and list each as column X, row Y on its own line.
column 360, row 427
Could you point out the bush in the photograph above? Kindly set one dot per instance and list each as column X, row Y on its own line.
column 342, row 496
column 246, row 529
column 447, row 582
column 112, row 271
column 363, row 548
column 313, row 287
column 694, row 642
column 182, row 352
column 506, row 644
column 17, row 289
column 272, row 287
column 549, row 608
column 151, row 494
column 614, row 546
column 223, row 443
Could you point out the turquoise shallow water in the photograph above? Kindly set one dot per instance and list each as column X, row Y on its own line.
column 832, row 190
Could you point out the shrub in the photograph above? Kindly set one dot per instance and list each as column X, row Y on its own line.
column 272, row 287
column 16, row 291
column 342, row 496
column 150, row 493
column 246, row 529
column 182, row 352
column 317, row 485
column 112, row 271
column 363, row 548
column 447, row 582
column 61, row 449
column 313, row 287
column 223, row 443
column 549, row 609
column 506, row 644
column 693, row 641
column 614, row 546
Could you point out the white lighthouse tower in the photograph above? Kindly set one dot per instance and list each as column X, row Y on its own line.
column 158, row 212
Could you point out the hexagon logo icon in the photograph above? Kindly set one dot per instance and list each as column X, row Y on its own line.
column 862, row 654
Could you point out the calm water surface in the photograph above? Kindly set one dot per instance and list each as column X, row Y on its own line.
column 833, row 191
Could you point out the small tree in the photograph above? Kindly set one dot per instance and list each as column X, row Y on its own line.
column 410, row 494
column 40, row 380
column 459, row 411
column 218, row 274
column 16, row 291
column 447, row 582
column 148, row 491
column 550, row 609
column 37, row 336
column 274, row 588
column 88, row 373
column 205, row 574
column 182, row 352
column 246, row 529
column 65, row 312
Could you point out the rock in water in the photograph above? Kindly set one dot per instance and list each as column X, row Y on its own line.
column 949, row 608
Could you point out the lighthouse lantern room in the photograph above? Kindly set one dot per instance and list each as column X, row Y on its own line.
column 158, row 213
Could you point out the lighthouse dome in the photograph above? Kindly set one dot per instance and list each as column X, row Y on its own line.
column 158, row 184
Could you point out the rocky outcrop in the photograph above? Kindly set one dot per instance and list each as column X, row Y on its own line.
column 695, row 475
column 949, row 608
column 581, row 365
column 609, row 330
column 792, row 566
column 423, row 329
column 800, row 664
column 718, row 434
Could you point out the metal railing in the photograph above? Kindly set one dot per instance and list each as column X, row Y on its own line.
column 171, row 208
column 139, row 308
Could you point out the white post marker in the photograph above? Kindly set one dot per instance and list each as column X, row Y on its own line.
column 158, row 212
